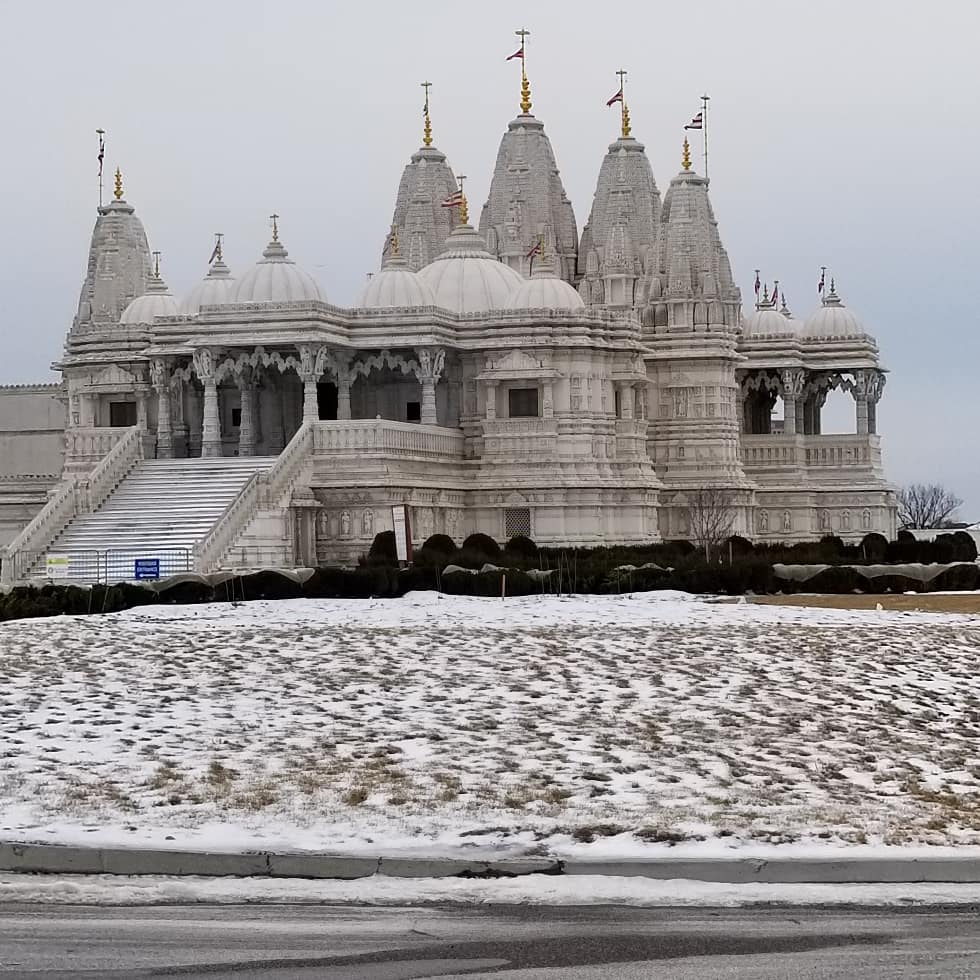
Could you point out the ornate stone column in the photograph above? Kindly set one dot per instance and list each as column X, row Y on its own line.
column 876, row 386
column 273, row 414
column 548, row 398
column 246, row 428
column 625, row 391
column 160, row 377
column 211, row 426
column 490, row 390
column 860, row 392
column 431, row 363
column 792, row 381
column 312, row 360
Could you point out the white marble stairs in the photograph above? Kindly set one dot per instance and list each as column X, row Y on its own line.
column 160, row 510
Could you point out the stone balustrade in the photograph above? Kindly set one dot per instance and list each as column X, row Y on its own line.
column 786, row 452
column 391, row 438
column 85, row 446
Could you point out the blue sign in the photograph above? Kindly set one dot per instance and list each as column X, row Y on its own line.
column 144, row 568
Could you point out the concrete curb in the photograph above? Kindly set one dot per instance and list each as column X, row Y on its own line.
column 67, row 859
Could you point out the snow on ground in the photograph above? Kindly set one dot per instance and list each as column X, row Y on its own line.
column 536, row 890
column 446, row 724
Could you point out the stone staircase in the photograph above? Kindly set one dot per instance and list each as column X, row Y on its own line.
column 159, row 511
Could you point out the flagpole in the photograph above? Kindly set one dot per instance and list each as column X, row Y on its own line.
column 624, row 112
column 705, row 99
column 101, row 135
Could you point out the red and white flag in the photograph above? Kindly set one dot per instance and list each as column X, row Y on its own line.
column 775, row 294
column 101, row 152
column 820, row 285
column 618, row 97
column 534, row 251
column 454, row 200
column 758, row 283
column 697, row 122
column 519, row 53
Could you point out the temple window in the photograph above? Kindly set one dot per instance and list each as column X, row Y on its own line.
column 522, row 403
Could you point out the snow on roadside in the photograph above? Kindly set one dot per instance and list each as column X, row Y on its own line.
column 452, row 725
column 534, row 890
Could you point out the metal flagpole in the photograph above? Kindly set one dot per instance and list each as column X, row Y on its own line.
column 705, row 99
column 101, row 135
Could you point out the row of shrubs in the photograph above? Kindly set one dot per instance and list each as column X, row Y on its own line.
column 748, row 574
column 520, row 552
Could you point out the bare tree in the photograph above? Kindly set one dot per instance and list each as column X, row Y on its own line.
column 711, row 518
column 923, row 505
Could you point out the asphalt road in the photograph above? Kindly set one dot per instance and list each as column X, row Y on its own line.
column 512, row 943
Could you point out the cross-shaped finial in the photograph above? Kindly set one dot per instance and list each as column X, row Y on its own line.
column 275, row 227
column 522, row 34
column 426, row 86
column 217, row 244
column 622, row 76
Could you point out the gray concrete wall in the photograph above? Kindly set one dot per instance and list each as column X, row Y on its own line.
column 32, row 449
column 32, row 426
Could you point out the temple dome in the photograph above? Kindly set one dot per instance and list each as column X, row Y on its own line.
column 156, row 301
column 276, row 278
column 766, row 321
column 832, row 319
column 394, row 286
column 217, row 287
column 466, row 278
column 545, row 291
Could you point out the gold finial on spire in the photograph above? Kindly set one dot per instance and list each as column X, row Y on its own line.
column 275, row 227
column 427, row 129
column 118, row 192
column 464, row 213
column 525, row 84
column 625, row 128
column 156, row 265
column 686, row 159
column 394, row 239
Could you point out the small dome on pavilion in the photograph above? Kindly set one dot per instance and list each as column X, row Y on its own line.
column 276, row 278
column 766, row 321
column 545, row 291
column 217, row 287
column 832, row 319
column 466, row 278
column 156, row 301
column 396, row 286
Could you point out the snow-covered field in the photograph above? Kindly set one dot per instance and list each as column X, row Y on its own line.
column 607, row 726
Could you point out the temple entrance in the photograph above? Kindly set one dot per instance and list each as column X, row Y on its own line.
column 326, row 401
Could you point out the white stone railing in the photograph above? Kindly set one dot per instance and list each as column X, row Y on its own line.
column 84, row 446
column 24, row 550
column 391, row 438
column 280, row 476
column 777, row 451
column 209, row 551
column 111, row 469
column 770, row 451
column 842, row 451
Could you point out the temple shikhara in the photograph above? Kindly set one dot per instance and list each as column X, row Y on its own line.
column 505, row 371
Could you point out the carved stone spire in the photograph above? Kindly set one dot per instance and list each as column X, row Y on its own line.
column 689, row 284
column 119, row 265
column 527, row 201
column 618, row 241
column 422, row 223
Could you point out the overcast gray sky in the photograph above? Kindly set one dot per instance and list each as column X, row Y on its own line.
column 842, row 134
